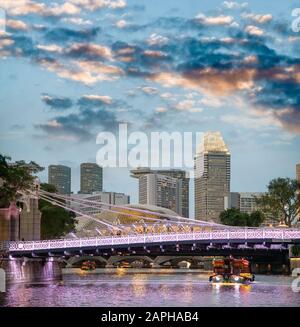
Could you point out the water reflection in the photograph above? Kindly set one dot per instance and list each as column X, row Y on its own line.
column 140, row 289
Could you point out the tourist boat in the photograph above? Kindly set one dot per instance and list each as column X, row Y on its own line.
column 88, row 265
column 230, row 270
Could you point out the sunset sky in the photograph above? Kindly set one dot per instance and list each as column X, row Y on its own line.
column 70, row 69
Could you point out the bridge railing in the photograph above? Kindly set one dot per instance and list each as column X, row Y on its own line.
column 236, row 234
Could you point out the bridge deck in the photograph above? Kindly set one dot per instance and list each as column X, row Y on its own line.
column 225, row 236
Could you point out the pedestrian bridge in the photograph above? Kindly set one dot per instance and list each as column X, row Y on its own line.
column 144, row 232
column 242, row 238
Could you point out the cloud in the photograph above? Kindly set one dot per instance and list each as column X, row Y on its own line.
column 62, row 34
column 187, row 105
column 257, row 18
column 77, row 21
column 50, row 48
column 89, row 51
column 95, row 100
column 155, row 39
column 234, row 5
column 22, row 7
column 5, row 43
column 86, row 72
column 254, row 30
column 15, row 25
column 176, row 52
column 57, row 103
column 99, row 4
column 213, row 20
column 161, row 109
column 121, row 23
column 254, row 121
column 81, row 126
column 149, row 90
column 68, row 7
column 209, row 81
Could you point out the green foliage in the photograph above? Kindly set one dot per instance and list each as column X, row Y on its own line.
column 282, row 201
column 233, row 217
column 15, row 177
column 56, row 221
column 296, row 251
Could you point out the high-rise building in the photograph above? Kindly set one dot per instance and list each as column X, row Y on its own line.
column 161, row 190
column 244, row 201
column 212, row 177
column 91, row 178
column 60, row 177
column 113, row 198
column 180, row 175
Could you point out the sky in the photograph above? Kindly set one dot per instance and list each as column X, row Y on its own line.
column 70, row 69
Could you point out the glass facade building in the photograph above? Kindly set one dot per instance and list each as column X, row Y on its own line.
column 91, row 178
column 180, row 175
column 60, row 177
column 212, row 177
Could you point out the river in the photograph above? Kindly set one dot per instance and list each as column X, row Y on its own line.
column 150, row 289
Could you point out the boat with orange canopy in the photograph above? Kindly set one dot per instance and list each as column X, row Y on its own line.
column 230, row 270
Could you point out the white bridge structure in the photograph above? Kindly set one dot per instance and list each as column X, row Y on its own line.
column 141, row 231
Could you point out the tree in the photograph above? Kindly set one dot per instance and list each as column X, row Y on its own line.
column 56, row 221
column 234, row 217
column 282, row 201
column 15, row 178
column 256, row 218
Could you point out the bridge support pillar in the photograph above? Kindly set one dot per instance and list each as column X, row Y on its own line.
column 2, row 281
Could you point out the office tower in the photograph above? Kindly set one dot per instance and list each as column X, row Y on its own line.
column 161, row 190
column 178, row 174
column 212, row 177
column 113, row 198
column 91, row 178
column 60, row 177
column 244, row 201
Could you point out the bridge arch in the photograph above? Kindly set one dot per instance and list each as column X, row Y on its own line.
column 115, row 261
column 174, row 261
column 74, row 262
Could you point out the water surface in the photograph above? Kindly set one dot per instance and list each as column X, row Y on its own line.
column 150, row 289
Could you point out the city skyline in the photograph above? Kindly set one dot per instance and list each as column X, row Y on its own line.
column 243, row 200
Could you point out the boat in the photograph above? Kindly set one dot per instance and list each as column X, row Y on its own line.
column 88, row 265
column 230, row 270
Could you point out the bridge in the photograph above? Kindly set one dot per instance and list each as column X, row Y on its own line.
column 142, row 232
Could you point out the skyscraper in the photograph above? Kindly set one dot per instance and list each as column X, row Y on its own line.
column 212, row 177
column 60, row 177
column 244, row 201
column 91, row 178
column 161, row 190
column 178, row 174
